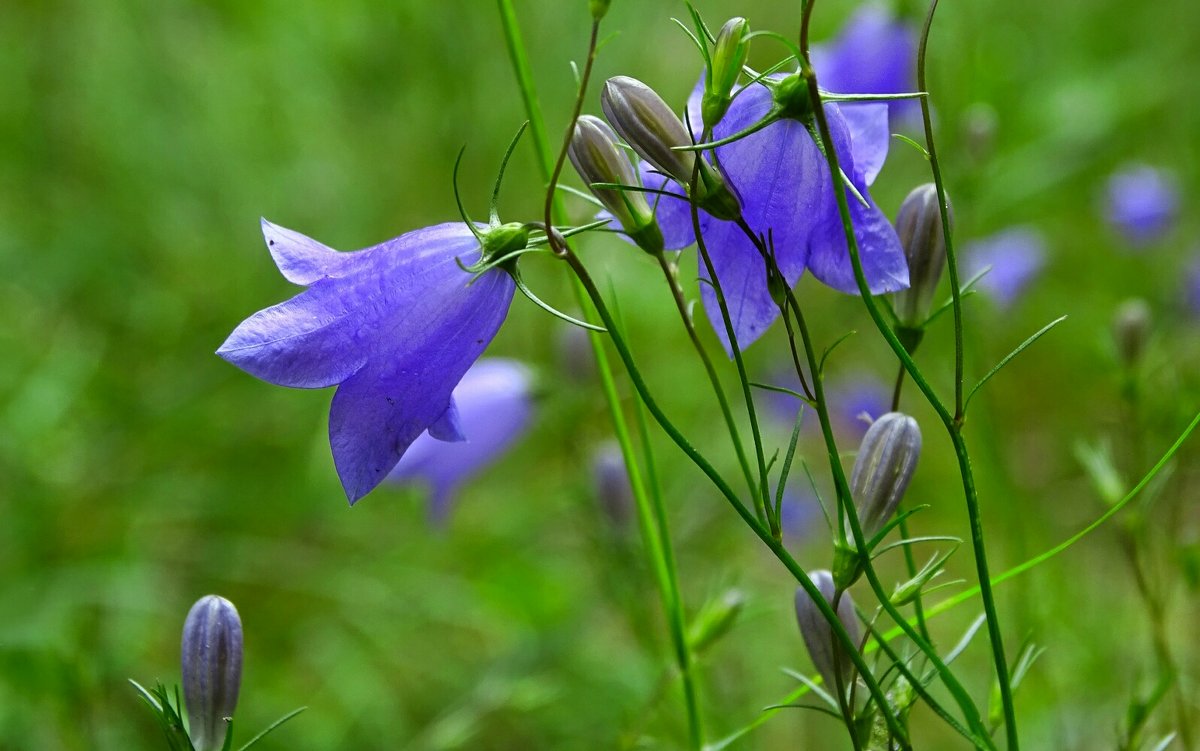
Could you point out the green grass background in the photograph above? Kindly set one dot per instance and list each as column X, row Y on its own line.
column 140, row 141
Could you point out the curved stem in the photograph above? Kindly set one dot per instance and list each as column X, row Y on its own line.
column 747, row 516
column 672, row 276
column 661, row 561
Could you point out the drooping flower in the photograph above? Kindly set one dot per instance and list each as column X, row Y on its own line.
column 394, row 326
column 782, row 182
column 1142, row 203
column 1015, row 257
column 494, row 409
column 211, row 658
column 875, row 53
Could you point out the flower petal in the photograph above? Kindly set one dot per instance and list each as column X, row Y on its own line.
column 879, row 247
column 743, row 276
column 306, row 342
column 448, row 427
column 870, row 138
column 672, row 209
column 301, row 259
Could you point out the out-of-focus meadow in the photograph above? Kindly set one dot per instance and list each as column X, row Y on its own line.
column 141, row 141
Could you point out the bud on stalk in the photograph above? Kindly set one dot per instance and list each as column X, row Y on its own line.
column 885, row 463
column 919, row 225
column 212, row 669
column 648, row 125
column 828, row 654
column 729, row 54
column 1131, row 330
column 598, row 159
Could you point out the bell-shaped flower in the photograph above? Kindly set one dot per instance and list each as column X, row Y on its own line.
column 875, row 53
column 781, row 177
column 1142, row 203
column 394, row 326
column 1012, row 258
column 494, row 407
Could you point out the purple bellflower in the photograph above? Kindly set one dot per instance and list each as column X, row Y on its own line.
column 1142, row 203
column 875, row 53
column 783, row 182
column 394, row 326
column 494, row 408
column 1015, row 256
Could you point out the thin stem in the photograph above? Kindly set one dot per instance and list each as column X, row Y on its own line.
column 747, row 516
column 658, row 558
column 953, row 423
column 672, row 276
column 673, row 607
column 944, row 208
column 761, row 499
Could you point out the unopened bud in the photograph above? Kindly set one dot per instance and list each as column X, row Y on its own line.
column 598, row 8
column 598, row 159
column 919, row 225
column 1131, row 329
column 728, row 56
column 648, row 125
column 884, row 465
column 212, row 669
column 828, row 654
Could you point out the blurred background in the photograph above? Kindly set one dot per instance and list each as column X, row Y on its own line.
column 140, row 142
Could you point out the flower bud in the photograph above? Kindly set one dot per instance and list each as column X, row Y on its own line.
column 1131, row 329
column 212, row 669
column 884, row 465
column 598, row 8
column 598, row 159
column 919, row 225
column 728, row 56
column 648, row 125
column 828, row 654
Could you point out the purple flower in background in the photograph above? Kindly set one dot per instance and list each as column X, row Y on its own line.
column 1015, row 256
column 1141, row 203
column 493, row 410
column 610, row 480
column 853, row 404
column 394, row 327
column 800, row 508
column 783, row 182
column 876, row 53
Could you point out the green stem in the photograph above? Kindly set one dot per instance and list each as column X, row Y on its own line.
column 953, row 423
column 662, row 565
column 674, row 608
column 672, row 276
column 747, row 516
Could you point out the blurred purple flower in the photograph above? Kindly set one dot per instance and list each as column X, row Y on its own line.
column 783, row 182
column 875, row 53
column 800, row 508
column 394, row 326
column 1015, row 256
column 494, row 408
column 853, row 404
column 1141, row 203
column 610, row 479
